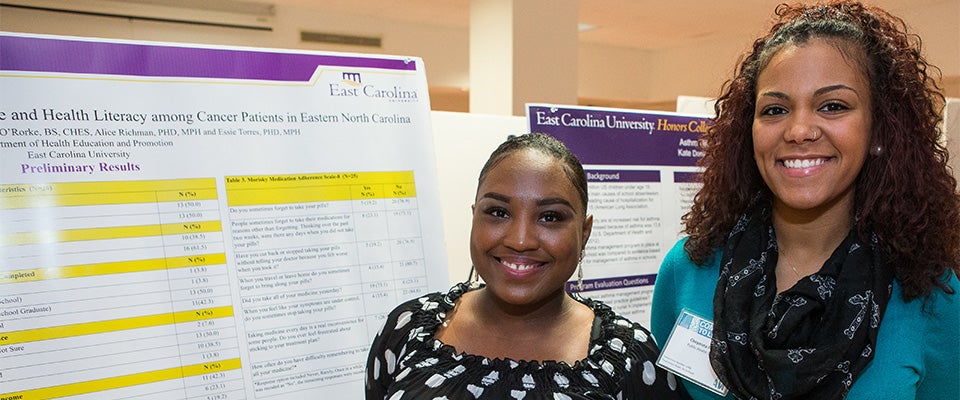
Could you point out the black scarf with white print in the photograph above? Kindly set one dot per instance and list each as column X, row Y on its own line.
column 808, row 342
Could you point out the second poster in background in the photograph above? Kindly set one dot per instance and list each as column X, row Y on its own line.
column 642, row 177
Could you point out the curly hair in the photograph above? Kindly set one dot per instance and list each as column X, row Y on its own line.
column 907, row 195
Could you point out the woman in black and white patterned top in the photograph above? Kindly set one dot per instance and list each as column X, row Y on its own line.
column 520, row 335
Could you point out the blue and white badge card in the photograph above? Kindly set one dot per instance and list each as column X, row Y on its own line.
column 687, row 352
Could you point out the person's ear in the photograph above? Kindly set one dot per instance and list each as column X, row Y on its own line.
column 587, row 228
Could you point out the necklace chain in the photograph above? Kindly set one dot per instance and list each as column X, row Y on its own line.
column 790, row 264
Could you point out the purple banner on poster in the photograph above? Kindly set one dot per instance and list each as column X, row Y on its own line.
column 618, row 282
column 36, row 54
column 594, row 175
column 687, row 177
column 610, row 137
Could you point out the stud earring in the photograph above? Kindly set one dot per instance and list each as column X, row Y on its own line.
column 876, row 150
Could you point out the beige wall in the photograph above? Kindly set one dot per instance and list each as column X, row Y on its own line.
column 607, row 76
column 701, row 69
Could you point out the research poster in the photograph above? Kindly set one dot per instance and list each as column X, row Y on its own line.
column 642, row 177
column 201, row 222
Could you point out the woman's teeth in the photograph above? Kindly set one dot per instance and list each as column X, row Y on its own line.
column 802, row 163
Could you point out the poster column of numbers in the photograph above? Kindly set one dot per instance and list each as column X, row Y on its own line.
column 311, row 251
column 82, row 298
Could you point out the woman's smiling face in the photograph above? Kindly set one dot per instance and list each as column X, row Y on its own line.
column 811, row 126
column 529, row 228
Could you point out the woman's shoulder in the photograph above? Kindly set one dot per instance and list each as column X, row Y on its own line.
column 918, row 347
column 678, row 259
column 612, row 330
column 626, row 350
column 932, row 320
column 945, row 300
column 677, row 269
column 416, row 305
column 677, row 253
column 425, row 311
column 941, row 304
column 940, row 310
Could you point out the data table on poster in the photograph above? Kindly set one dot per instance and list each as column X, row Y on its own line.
column 116, row 290
column 321, row 259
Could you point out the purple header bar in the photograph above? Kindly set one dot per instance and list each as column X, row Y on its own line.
column 609, row 137
column 93, row 57
column 622, row 176
column 687, row 177
column 619, row 282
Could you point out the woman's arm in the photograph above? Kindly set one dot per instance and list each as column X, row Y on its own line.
column 940, row 378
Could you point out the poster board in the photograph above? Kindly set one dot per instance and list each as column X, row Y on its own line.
column 642, row 177
column 183, row 221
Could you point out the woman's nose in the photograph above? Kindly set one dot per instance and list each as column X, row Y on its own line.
column 802, row 129
column 521, row 236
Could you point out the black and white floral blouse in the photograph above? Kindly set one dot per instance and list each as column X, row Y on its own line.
column 407, row 362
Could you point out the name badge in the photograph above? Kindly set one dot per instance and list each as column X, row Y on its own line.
column 687, row 352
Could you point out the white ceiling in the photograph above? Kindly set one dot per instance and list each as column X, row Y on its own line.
column 645, row 24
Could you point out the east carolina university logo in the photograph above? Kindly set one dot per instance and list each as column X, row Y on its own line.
column 351, row 78
column 351, row 85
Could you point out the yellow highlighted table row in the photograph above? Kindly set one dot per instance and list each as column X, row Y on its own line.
column 73, row 389
column 119, row 267
column 327, row 179
column 114, row 232
column 105, row 193
column 285, row 189
column 113, row 325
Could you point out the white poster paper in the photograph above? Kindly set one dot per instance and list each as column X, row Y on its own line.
column 189, row 222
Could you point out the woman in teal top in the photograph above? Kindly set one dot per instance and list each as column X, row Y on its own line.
column 825, row 243
column 919, row 342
